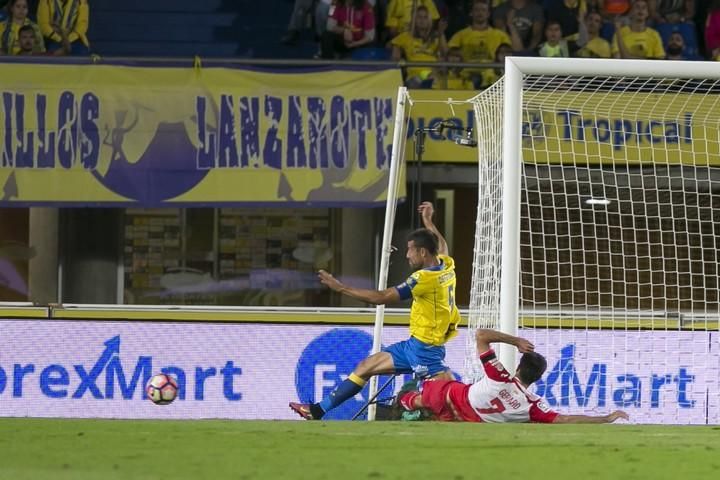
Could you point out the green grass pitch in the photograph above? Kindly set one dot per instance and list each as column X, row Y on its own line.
column 41, row 449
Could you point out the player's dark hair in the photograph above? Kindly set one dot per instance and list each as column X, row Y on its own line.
column 424, row 238
column 26, row 28
column 532, row 366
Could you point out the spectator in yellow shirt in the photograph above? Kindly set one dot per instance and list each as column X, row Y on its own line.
column 424, row 44
column 452, row 78
column 10, row 29
column 400, row 16
column 479, row 41
column 492, row 75
column 28, row 37
column 590, row 43
column 637, row 40
column 56, row 16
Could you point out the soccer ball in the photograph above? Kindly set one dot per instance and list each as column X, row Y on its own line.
column 162, row 389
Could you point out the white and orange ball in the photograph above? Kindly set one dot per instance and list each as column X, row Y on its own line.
column 162, row 389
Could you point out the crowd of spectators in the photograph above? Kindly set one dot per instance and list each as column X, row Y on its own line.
column 485, row 31
column 458, row 31
column 47, row 27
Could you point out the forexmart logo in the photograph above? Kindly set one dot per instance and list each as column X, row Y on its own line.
column 562, row 384
column 108, row 379
column 328, row 360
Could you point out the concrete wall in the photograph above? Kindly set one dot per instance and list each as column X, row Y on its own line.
column 43, row 241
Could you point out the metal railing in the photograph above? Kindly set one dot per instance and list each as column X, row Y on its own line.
column 528, row 317
column 200, row 62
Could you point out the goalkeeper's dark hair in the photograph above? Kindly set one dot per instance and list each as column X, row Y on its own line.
column 424, row 238
column 532, row 366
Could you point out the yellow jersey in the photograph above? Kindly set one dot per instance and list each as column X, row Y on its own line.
column 645, row 44
column 70, row 15
column 479, row 46
column 10, row 37
column 418, row 50
column 434, row 317
column 596, row 48
column 452, row 81
column 399, row 13
column 488, row 76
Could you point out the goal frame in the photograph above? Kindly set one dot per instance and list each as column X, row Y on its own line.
column 515, row 69
column 397, row 159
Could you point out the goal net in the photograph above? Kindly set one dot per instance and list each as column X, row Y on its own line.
column 598, row 232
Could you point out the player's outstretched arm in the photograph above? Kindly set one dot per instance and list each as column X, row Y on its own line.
column 426, row 211
column 610, row 418
column 376, row 297
column 485, row 336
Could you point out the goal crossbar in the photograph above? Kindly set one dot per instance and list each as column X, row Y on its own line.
column 609, row 67
column 634, row 231
column 515, row 70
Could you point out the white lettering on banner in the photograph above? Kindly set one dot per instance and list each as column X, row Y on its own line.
column 658, row 377
column 95, row 369
column 53, row 379
column 322, row 384
column 629, row 391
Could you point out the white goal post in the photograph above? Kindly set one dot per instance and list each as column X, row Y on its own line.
column 597, row 231
column 606, row 230
column 397, row 160
column 516, row 68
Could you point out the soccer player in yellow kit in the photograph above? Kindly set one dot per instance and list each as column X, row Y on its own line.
column 434, row 318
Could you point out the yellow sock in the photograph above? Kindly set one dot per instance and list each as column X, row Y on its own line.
column 357, row 380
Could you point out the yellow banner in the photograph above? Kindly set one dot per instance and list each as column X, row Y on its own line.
column 117, row 135
column 622, row 128
column 586, row 128
column 441, row 147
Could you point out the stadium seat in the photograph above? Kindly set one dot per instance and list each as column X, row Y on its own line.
column 211, row 28
column 607, row 31
column 370, row 53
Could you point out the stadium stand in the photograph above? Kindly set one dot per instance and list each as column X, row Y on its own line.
column 250, row 29
column 211, row 28
column 245, row 28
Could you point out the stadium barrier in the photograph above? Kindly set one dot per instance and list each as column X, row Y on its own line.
column 92, row 362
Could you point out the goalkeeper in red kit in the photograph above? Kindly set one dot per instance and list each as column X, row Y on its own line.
column 499, row 397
